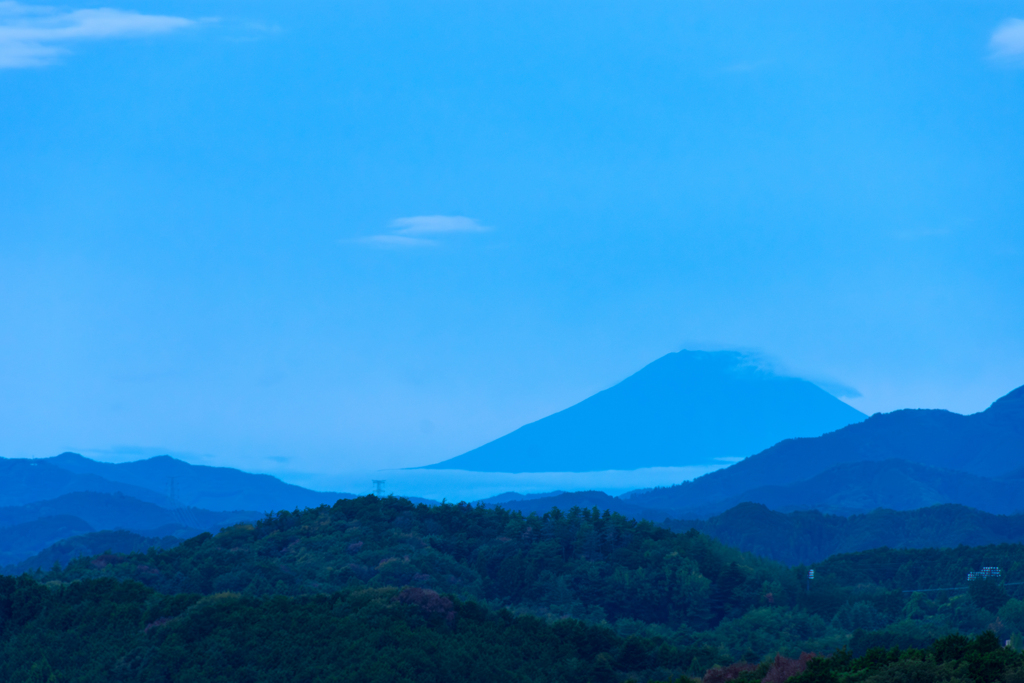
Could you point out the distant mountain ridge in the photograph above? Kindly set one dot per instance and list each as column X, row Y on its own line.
column 89, row 544
column 24, row 481
column 46, row 500
column 684, row 409
column 116, row 511
column 201, row 486
column 859, row 487
column 989, row 445
column 27, row 529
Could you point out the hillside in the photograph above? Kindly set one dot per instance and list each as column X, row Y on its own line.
column 987, row 444
column 860, row 487
column 20, row 541
column 92, row 543
column 653, row 604
column 124, row 632
column 582, row 499
column 810, row 537
column 686, row 408
column 27, row 529
column 580, row 563
column 795, row 538
column 25, row 481
column 99, row 631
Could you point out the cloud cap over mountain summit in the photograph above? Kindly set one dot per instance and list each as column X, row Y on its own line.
column 684, row 409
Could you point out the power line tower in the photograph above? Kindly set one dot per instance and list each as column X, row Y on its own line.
column 179, row 511
column 378, row 487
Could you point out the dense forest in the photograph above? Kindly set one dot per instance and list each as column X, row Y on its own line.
column 951, row 659
column 101, row 630
column 105, row 630
column 583, row 563
column 662, row 604
column 808, row 536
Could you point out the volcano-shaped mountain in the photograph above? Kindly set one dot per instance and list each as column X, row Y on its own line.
column 690, row 408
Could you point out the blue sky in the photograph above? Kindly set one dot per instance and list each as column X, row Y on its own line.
column 308, row 237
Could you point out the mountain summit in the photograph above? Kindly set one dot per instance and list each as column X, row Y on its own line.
column 684, row 409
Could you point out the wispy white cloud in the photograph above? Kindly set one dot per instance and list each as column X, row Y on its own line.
column 406, row 231
column 433, row 225
column 1007, row 42
column 33, row 35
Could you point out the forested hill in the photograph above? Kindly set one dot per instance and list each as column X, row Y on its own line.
column 415, row 592
column 809, row 536
column 582, row 562
column 102, row 631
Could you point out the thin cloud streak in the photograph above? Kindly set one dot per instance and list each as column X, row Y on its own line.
column 433, row 225
column 410, row 227
column 1007, row 42
column 34, row 36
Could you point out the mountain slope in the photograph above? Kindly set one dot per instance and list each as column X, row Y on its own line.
column 986, row 444
column 860, row 487
column 259, row 598
column 810, row 536
column 686, row 408
column 89, row 544
column 20, row 541
column 25, row 481
column 210, row 488
column 27, row 529
column 116, row 511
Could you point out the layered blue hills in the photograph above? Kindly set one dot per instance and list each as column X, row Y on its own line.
column 902, row 460
column 46, row 500
column 691, row 408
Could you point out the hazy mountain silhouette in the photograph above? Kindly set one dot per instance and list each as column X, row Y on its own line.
column 986, row 444
column 686, row 408
column 512, row 496
column 43, row 501
column 860, row 487
column 20, row 541
column 210, row 488
column 116, row 511
column 28, row 529
column 89, row 544
column 26, row 481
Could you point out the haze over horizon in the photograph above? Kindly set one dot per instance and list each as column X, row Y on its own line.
column 311, row 239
